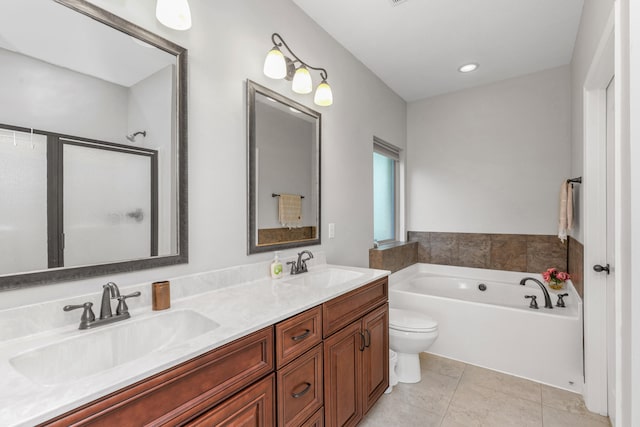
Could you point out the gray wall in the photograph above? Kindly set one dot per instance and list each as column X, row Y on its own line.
column 490, row 159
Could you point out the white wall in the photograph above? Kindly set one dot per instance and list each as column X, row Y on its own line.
column 39, row 95
column 149, row 110
column 227, row 45
column 594, row 17
column 490, row 159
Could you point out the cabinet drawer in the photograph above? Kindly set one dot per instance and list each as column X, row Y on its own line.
column 180, row 393
column 300, row 391
column 253, row 407
column 298, row 334
column 341, row 311
column 316, row 420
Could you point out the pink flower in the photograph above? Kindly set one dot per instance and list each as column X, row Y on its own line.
column 552, row 274
column 563, row 276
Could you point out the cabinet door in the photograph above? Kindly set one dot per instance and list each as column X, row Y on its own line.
column 375, row 326
column 343, row 376
column 253, row 407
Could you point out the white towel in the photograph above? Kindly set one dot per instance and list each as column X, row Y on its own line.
column 565, row 220
column 290, row 210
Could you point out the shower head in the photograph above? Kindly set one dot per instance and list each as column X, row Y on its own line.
column 132, row 137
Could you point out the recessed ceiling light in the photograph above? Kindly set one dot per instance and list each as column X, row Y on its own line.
column 467, row 68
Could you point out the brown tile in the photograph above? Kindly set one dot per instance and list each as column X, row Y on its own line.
column 474, row 250
column 576, row 265
column 394, row 257
column 545, row 252
column 444, row 248
column 424, row 244
column 508, row 252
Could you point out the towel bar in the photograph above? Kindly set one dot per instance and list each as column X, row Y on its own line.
column 277, row 195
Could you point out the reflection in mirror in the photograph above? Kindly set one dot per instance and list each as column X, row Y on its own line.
column 92, row 144
column 284, row 171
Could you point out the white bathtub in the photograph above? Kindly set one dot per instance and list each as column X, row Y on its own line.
column 495, row 328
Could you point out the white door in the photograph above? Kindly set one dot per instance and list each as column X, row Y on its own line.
column 611, row 332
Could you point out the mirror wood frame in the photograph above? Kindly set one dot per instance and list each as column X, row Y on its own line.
column 21, row 280
column 252, row 220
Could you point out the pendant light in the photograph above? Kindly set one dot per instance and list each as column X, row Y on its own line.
column 279, row 66
column 174, row 14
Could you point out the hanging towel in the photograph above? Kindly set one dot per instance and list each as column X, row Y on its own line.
column 569, row 207
column 563, row 215
column 290, row 210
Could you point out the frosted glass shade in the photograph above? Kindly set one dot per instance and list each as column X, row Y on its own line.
column 302, row 81
column 174, row 14
column 275, row 65
column 323, row 96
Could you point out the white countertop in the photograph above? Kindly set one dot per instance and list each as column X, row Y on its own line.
column 239, row 309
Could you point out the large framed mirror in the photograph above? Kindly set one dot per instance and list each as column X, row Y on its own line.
column 93, row 144
column 283, row 148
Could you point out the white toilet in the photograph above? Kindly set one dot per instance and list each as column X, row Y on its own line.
column 410, row 333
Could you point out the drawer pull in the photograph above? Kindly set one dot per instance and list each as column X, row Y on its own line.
column 303, row 336
column 362, row 341
column 303, row 392
column 367, row 340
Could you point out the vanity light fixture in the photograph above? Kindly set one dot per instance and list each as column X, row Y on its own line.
column 279, row 66
column 467, row 68
column 174, row 14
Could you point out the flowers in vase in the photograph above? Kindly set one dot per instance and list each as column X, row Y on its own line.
column 555, row 278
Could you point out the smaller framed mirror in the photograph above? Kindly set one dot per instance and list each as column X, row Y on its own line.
column 283, row 150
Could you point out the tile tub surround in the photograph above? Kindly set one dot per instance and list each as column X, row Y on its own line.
column 576, row 265
column 241, row 299
column 455, row 394
column 510, row 252
column 394, row 256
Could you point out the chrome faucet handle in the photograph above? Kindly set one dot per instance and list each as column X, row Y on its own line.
column 87, row 315
column 560, row 302
column 534, row 303
column 123, row 308
column 293, row 267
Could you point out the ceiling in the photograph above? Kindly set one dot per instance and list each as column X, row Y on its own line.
column 55, row 34
column 417, row 46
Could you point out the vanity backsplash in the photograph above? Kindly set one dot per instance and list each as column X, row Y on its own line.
column 32, row 319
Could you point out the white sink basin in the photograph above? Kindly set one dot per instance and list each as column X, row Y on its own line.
column 324, row 278
column 95, row 351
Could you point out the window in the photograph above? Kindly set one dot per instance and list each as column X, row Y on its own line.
column 385, row 190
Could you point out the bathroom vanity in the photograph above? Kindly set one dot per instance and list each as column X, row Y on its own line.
column 304, row 350
column 325, row 366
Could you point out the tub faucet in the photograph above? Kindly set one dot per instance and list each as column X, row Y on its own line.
column 547, row 298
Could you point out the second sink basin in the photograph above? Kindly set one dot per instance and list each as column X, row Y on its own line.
column 324, row 278
column 98, row 350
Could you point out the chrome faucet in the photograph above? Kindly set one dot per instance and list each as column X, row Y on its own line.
column 547, row 298
column 300, row 266
column 109, row 291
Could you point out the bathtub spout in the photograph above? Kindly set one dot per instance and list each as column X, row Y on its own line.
column 547, row 298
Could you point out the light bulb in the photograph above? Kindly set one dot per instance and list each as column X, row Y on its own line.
column 467, row 68
column 323, row 96
column 174, row 14
column 302, row 81
column 274, row 64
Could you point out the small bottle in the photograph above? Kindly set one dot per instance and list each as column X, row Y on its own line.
column 276, row 267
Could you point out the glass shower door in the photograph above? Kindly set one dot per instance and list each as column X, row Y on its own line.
column 108, row 204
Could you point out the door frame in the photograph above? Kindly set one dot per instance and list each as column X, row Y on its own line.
column 598, row 77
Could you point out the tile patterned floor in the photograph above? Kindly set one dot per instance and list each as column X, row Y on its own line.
column 454, row 394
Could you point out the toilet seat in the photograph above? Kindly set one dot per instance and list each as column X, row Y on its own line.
column 411, row 321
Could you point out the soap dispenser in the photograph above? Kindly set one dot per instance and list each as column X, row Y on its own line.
column 276, row 267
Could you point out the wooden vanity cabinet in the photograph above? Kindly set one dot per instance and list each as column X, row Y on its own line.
column 356, row 356
column 325, row 366
column 177, row 395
